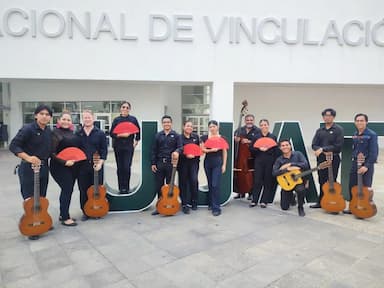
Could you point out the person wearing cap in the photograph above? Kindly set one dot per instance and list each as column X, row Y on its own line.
column 32, row 144
column 215, row 163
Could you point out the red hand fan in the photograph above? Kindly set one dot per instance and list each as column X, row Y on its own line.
column 125, row 127
column 265, row 142
column 71, row 153
column 192, row 149
column 216, row 142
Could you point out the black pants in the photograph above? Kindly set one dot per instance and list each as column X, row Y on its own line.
column 124, row 162
column 26, row 178
column 65, row 177
column 286, row 197
column 164, row 172
column 188, row 182
column 212, row 167
column 263, row 179
column 86, row 179
column 323, row 173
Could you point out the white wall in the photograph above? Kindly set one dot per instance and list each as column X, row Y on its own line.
column 305, row 103
column 147, row 100
column 201, row 60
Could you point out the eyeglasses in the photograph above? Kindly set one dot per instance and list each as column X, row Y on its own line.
column 124, row 107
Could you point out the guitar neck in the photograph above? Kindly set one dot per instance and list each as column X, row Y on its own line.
column 305, row 173
column 96, row 182
column 172, row 182
column 36, row 190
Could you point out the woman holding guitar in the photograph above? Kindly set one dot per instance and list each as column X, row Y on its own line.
column 215, row 163
column 32, row 144
column 365, row 144
column 64, row 171
column 92, row 140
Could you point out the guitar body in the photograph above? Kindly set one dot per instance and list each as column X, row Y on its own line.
column 288, row 180
column 361, row 204
column 97, row 204
column 35, row 221
column 167, row 204
column 333, row 200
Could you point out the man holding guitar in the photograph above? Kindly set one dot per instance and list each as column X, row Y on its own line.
column 165, row 149
column 33, row 145
column 328, row 138
column 92, row 140
column 365, row 144
column 290, row 161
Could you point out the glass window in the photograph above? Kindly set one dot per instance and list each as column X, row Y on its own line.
column 96, row 106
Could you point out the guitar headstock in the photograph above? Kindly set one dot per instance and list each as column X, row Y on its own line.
column 244, row 109
column 36, row 167
column 360, row 159
column 324, row 165
column 96, row 158
column 329, row 156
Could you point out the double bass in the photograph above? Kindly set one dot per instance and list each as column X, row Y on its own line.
column 361, row 204
column 97, row 204
column 36, row 219
column 333, row 200
column 243, row 161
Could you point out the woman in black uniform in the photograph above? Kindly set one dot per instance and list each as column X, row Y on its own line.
column 188, row 168
column 264, row 159
column 215, row 163
column 64, row 172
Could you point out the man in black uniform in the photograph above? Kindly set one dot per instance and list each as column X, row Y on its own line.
column 167, row 145
column 32, row 145
column 244, row 135
column 290, row 160
column 328, row 138
column 92, row 140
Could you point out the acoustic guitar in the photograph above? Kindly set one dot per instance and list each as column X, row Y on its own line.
column 36, row 219
column 290, row 179
column 97, row 204
column 333, row 200
column 168, row 204
column 361, row 204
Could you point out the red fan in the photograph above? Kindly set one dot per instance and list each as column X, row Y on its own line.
column 125, row 127
column 265, row 142
column 216, row 142
column 192, row 149
column 72, row 153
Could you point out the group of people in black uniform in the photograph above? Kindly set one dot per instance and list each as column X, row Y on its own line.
column 269, row 163
column 36, row 143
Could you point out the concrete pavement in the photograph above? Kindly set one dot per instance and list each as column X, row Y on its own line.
column 243, row 247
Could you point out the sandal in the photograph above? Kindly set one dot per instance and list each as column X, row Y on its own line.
column 73, row 223
column 263, row 205
column 253, row 204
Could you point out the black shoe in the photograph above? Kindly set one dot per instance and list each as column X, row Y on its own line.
column 347, row 211
column 194, row 207
column 186, row 210
column 69, row 224
column 154, row 213
column 253, row 204
column 301, row 211
column 216, row 213
column 34, row 237
column 84, row 217
column 317, row 205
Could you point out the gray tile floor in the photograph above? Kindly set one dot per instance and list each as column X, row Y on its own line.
column 243, row 247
